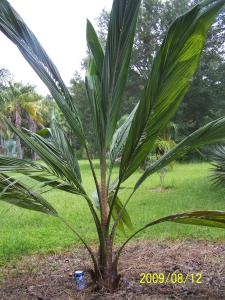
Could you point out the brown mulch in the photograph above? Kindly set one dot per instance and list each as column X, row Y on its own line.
column 49, row 277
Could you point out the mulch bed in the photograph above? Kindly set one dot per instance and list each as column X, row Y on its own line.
column 49, row 277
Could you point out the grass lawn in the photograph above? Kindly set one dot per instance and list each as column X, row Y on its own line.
column 25, row 232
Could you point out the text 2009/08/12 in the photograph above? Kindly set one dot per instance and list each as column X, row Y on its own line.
column 173, row 278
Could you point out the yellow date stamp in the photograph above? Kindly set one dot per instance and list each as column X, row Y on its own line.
column 172, row 278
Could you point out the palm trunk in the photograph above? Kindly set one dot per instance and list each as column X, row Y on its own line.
column 18, row 125
column 103, row 192
column 108, row 277
column 32, row 127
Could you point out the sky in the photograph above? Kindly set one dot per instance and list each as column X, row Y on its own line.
column 60, row 27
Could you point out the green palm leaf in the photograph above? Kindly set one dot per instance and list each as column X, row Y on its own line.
column 13, row 26
column 211, row 133
column 119, row 139
column 170, row 78
column 119, row 43
column 107, row 74
column 125, row 219
column 35, row 171
column 58, row 166
column 11, row 164
column 93, row 88
column 218, row 166
column 55, row 183
column 210, row 218
column 16, row 193
column 62, row 144
column 93, row 83
column 51, row 156
column 95, row 47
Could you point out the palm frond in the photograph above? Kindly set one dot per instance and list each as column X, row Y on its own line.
column 211, row 133
column 209, row 218
column 125, row 220
column 94, row 93
column 12, row 164
column 119, row 139
column 36, row 171
column 13, row 26
column 95, row 47
column 16, row 193
column 218, row 166
column 51, row 156
column 119, row 43
column 62, row 144
column 169, row 80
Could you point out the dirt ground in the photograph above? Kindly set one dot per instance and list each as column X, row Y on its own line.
column 49, row 277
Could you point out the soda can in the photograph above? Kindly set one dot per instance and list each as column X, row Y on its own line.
column 79, row 279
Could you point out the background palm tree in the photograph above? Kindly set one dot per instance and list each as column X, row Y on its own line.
column 21, row 104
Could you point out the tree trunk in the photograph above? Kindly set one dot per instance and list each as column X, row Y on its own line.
column 103, row 192
column 32, row 127
column 107, row 276
column 18, row 125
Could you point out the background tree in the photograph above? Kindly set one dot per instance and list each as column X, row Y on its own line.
column 5, row 78
column 163, row 144
column 20, row 103
column 79, row 94
column 218, row 165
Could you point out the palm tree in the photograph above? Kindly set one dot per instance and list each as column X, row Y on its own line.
column 163, row 144
column 218, row 165
column 106, row 77
column 19, row 103
column 5, row 77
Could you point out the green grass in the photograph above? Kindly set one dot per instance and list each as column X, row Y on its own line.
column 24, row 232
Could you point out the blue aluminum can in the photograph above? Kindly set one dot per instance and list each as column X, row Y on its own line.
column 79, row 278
